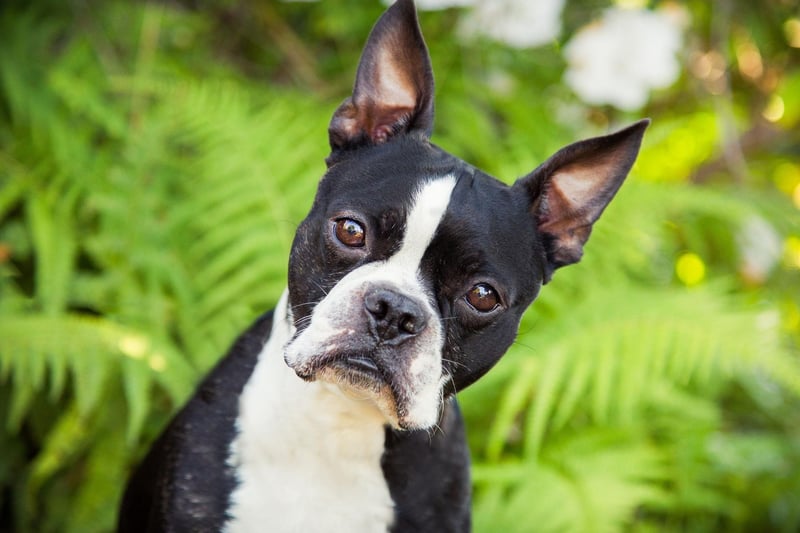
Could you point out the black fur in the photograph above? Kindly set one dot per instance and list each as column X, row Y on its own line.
column 184, row 482
column 511, row 238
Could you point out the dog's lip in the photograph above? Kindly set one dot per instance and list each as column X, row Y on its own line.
column 359, row 364
column 355, row 363
column 362, row 362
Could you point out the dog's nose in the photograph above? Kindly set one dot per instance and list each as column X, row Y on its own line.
column 394, row 317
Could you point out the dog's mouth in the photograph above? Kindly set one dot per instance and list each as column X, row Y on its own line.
column 403, row 381
column 357, row 373
column 356, row 369
column 360, row 364
column 362, row 377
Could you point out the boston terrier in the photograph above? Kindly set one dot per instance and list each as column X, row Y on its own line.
column 336, row 411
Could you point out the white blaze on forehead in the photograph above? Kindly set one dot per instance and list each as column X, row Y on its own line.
column 430, row 204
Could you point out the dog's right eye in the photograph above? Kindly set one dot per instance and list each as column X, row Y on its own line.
column 483, row 298
column 350, row 233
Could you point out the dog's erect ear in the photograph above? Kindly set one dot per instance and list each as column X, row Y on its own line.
column 393, row 92
column 569, row 191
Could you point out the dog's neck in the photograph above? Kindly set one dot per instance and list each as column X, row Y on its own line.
column 302, row 442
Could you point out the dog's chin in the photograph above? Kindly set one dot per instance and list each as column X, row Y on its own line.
column 361, row 384
column 359, row 378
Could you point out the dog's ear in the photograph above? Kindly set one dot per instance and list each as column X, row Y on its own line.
column 393, row 92
column 569, row 191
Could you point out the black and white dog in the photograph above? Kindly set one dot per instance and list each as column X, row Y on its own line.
column 407, row 281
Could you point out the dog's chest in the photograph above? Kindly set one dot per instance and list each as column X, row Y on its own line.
column 307, row 457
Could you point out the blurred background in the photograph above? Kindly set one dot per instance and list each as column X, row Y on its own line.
column 155, row 158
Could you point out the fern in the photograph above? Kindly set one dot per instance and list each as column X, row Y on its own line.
column 595, row 481
column 146, row 265
column 610, row 356
column 148, row 197
column 39, row 352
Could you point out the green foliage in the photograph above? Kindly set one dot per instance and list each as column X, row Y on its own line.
column 616, row 395
column 154, row 163
column 148, row 216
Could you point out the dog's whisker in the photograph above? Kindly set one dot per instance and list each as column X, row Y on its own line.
column 455, row 363
column 306, row 304
column 320, row 287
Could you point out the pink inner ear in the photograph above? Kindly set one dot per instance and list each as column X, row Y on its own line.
column 389, row 100
column 391, row 82
column 558, row 211
column 569, row 191
column 564, row 217
column 372, row 119
column 574, row 187
column 393, row 93
column 573, row 200
column 577, row 194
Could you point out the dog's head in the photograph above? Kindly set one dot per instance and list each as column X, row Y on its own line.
column 409, row 276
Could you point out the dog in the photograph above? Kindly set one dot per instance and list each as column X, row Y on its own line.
column 336, row 411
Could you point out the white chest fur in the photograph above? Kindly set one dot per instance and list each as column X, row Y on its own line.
column 308, row 456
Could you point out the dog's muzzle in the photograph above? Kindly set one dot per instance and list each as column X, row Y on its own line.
column 379, row 340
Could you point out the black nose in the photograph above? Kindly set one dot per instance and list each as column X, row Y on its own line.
column 393, row 317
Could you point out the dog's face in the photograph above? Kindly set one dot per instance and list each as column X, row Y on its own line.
column 409, row 276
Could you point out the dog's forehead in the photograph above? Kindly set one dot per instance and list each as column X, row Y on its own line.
column 390, row 176
column 485, row 228
column 387, row 176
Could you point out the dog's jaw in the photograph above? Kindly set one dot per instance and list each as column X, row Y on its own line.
column 408, row 378
column 296, row 442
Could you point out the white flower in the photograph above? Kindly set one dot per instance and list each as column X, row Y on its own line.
column 432, row 5
column 621, row 58
column 517, row 23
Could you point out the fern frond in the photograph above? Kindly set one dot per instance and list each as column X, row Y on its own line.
column 650, row 366
column 34, row 347
column 611, row 357
column 595, row 481
column 251, row 154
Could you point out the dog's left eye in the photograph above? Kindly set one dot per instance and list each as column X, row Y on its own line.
column 350, row 233
column 483, row 297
